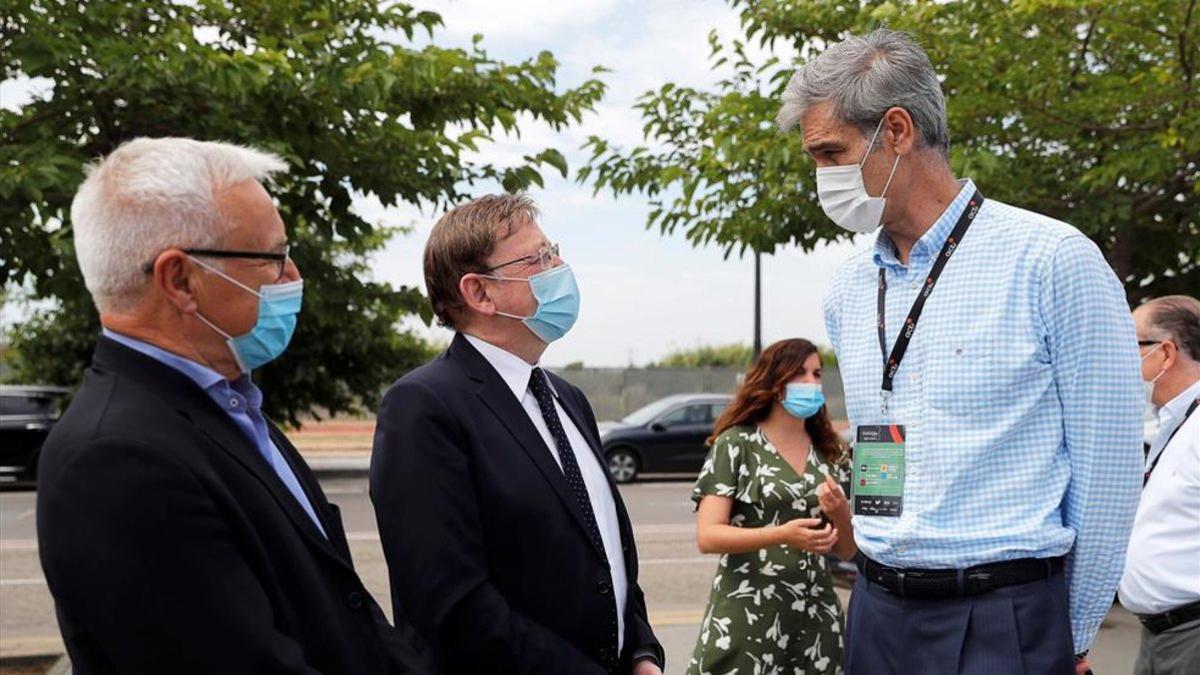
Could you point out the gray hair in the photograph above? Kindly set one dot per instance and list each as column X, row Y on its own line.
column 1176, row 318
column 863, row 76
column 148, row 195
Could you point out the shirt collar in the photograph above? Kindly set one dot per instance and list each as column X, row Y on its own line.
column 199, row 373
column 514, row 370
column 930, row 243
column 1176, row 407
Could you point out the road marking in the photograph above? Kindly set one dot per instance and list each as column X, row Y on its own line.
column 344, row 491
column 664, row 528
column 31, row 581
column 18, row 544
column 34, row 645
column 677, row 561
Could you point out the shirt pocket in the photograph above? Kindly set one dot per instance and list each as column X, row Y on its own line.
column 963, row 376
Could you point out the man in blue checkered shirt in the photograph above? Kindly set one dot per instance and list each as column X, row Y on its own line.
column 997, row 468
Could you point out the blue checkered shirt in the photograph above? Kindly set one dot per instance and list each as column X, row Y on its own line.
column 1021, row 392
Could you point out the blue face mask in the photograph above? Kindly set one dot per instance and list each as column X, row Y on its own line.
column 278, row 305
column 803, row 400
column 557, row 295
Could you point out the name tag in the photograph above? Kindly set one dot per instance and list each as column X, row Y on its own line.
column 878, row 488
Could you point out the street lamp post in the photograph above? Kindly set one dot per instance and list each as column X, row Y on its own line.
column 757, row 303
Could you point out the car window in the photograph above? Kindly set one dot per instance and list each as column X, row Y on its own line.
column 688, row 414
column 715, row 410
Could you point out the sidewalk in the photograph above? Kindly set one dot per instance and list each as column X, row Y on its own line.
column 336, row 448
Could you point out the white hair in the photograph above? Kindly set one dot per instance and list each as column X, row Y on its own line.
column 151, row 194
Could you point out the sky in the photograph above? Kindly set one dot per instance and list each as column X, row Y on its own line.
column 644, row 294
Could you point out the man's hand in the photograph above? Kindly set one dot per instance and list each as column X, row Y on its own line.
column 646, row 667
column 1082, row 667
column 833, row 499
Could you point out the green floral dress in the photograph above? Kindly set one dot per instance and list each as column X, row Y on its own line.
column 771, row 611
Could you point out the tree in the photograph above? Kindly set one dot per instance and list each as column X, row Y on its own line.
column 706, row 356
column 725, row 356
column 1084, row 110
column 339, row 89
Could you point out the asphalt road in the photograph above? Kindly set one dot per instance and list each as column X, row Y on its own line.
column 674, row 576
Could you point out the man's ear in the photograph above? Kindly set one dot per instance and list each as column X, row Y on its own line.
column 1170, row 354
column 899, row 133
column 475, row 294
column 174, row 278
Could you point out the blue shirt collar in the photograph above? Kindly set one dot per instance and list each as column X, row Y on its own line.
column 930, row 243
column 202, row 375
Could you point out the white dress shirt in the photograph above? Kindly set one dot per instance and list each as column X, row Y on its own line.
column 516, row 372
column 1162, row 568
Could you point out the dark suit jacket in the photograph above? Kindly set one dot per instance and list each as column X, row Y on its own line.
column 171, row 546
column 484, row 541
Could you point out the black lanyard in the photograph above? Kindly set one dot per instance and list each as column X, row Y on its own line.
column 1191, row 409
column 892, row 363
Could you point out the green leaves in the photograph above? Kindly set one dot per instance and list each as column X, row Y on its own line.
column 1085, row 110
column 337, row 89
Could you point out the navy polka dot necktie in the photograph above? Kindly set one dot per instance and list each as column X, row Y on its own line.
column 540, row 387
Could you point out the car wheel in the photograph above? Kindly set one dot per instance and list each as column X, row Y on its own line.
column 623, row 464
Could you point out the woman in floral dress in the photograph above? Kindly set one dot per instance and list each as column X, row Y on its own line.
column 774, row 469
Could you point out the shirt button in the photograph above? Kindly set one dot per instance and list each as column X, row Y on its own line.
column 354, row 600
column 233, row 402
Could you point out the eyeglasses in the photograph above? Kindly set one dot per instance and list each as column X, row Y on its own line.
column 1147, row 343
column 280, row 258
column 544, row 259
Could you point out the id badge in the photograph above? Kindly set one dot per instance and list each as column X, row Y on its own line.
column 878, row 488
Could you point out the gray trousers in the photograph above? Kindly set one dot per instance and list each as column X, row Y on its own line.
column 1171, row 652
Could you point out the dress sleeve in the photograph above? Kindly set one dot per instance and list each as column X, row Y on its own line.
column 729, row 470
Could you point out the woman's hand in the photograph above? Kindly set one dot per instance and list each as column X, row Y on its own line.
column 802, row 533
column 833, row 499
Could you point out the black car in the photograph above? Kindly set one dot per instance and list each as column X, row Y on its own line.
column 666, row 436
column 27, row 413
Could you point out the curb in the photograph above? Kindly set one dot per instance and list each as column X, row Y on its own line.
column 340, row 465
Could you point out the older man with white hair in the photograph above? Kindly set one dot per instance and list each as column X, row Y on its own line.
column 1162, row 574
column 179, row 530
column 990, row 369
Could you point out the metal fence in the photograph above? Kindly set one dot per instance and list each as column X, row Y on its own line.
column 616, row 392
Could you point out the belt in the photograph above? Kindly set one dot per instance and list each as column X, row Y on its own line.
column 952, row 583
column 1157, row 623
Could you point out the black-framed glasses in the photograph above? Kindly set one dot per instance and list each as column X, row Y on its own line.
column 1147, row 343
column 544, row 259
column 279, row 257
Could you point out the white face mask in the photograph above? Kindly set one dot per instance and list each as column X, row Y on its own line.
column 844, row 197
column 1148, row 385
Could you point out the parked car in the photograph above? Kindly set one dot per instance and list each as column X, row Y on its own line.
column 27, row 413
column 665, row 436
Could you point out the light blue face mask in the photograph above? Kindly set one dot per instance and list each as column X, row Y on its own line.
column 557, row 295
column 278, row 305
column 803, row 400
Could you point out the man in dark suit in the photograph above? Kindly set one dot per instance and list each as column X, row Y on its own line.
column 505, row 537
column 179, row 530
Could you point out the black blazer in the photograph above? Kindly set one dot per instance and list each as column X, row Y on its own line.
column 484, row 542
column 171, row 546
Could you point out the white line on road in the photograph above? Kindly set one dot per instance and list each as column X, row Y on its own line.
column 677, row 561
column 31, row 581
column 18, row 544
